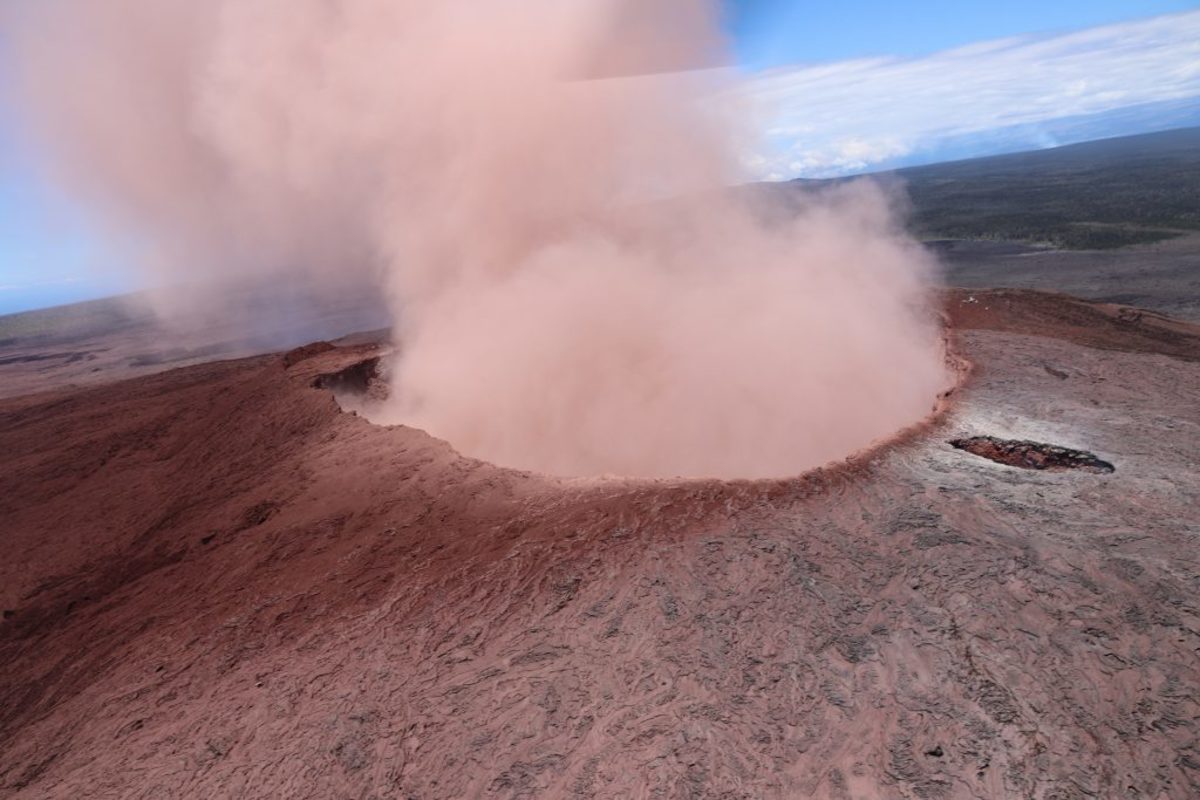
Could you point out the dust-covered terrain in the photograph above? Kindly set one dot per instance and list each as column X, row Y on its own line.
column 219, row 581
column 219, row 584
column 100, row 341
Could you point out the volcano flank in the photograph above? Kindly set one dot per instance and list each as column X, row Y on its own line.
column 217, row 583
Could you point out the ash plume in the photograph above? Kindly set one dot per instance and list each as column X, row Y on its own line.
column 541, row 202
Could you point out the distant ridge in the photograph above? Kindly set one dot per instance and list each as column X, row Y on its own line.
column 1093, row 195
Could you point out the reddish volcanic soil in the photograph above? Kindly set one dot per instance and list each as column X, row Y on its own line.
column 216, row 584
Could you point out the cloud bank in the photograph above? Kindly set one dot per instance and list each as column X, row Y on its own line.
column 846, row 117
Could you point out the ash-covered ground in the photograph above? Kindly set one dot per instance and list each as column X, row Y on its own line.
column 218, row 584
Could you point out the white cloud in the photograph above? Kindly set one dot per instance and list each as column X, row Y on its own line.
column 839, row 157
column 840, row 118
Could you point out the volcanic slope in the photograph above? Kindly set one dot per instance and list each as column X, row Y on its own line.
column 217, row 584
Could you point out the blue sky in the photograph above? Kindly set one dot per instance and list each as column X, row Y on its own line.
column 835, row 89
column 47, row 257
column 774, row 32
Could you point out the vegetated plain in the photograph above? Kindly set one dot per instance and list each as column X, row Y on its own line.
column 1093, row 196
column 1116, row 220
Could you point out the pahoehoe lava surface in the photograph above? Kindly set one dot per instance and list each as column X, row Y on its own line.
column 217, row 584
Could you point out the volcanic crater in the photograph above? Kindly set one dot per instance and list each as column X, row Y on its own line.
column 362, row 389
